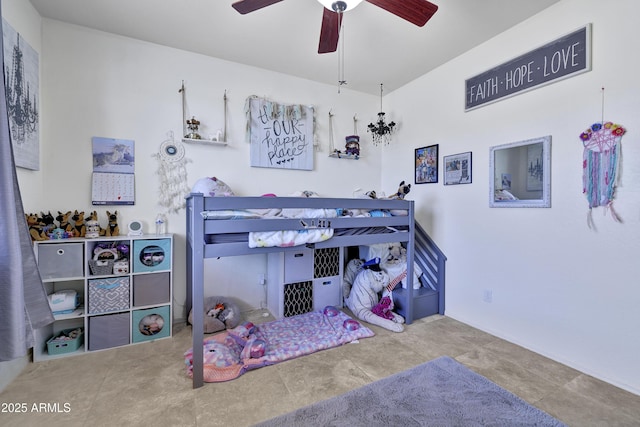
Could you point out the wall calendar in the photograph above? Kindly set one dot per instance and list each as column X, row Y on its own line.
column 113, row 188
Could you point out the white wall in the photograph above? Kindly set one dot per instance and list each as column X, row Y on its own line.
column 99, row 84
column 559, row 288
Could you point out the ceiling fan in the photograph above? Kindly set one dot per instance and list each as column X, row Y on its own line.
column 417, row 12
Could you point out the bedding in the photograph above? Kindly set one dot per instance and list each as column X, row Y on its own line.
column 230, row 354
column 286, row 238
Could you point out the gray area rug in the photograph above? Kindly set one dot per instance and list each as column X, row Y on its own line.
column 441, row 392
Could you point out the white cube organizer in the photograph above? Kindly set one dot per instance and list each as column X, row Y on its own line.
column 137, row 275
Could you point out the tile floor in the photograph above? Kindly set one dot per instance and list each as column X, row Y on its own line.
column 146, row 385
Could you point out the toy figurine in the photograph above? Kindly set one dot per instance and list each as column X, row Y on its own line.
column 112, row 228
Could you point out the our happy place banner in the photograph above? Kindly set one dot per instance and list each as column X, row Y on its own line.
column 281, row 136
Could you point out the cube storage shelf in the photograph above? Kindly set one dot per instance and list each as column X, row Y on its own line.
column 304, row 280
column 124, row 286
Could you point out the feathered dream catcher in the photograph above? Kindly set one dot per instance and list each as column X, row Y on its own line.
column 172, row 171
column 600, row 164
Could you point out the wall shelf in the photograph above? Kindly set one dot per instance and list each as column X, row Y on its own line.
column 344, row 156
column 204, row 141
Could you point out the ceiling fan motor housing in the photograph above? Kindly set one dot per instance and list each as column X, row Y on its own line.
column 339, row 6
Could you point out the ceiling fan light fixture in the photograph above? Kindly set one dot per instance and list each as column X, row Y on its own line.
column 340, row 5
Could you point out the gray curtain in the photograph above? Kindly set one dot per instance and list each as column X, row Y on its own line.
column 23, row 300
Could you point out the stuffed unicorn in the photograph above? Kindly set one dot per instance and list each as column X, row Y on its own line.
column 363, row 298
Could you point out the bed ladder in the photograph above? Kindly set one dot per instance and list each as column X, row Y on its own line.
column 429, row 299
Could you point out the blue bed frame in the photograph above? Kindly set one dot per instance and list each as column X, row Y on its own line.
column 203, row 241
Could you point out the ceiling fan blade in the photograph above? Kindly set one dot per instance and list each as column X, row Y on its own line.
column 246, row 6
column 329, row 31
column 417, row 12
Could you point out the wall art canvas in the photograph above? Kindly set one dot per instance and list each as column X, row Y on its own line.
column 281, row 136
column 22, row 81
column 426, row 164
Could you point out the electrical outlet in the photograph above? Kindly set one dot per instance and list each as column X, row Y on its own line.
column 487, row 295
column 261, row 280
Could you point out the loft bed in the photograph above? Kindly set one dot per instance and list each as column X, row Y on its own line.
column 214, row 229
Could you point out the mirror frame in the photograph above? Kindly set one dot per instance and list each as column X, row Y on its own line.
column 545, row 201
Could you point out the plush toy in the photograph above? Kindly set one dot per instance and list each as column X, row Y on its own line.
column 112, row 228
column 212, row 187
column 151, row 324
column 35, row 227
column 220, row 313
column 403, row 190
column 79, row 227
column 364, row 297
column 47, row 221
column 63, row 221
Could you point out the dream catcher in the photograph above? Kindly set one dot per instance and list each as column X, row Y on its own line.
column 601, row 156
column 173, row 174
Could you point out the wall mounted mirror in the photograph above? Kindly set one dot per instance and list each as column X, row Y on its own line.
column 520, row 174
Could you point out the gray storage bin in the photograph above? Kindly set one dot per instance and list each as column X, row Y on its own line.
column 151, row 289
column 327, row 291
column 60, row 260
column 110, row 330
column 298, row 265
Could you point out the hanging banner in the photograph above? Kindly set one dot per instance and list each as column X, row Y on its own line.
column 281, row 136
column 560, row 59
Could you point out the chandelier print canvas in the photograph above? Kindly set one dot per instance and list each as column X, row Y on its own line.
column 21, row 76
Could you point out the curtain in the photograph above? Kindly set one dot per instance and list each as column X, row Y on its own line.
column 23, row 300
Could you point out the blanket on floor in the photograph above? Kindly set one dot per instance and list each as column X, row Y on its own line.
column 232, row 353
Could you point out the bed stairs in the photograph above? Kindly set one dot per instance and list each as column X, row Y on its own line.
column 429, row 298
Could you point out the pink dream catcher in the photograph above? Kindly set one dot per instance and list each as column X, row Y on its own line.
column 600, row 164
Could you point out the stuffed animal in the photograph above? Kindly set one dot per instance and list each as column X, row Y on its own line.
column 47, row 221
column 63, row 220
column 364, row 297
column 220, row 313
column 212, row 187
column 403, row 190
column 79, row 227
column 112, row 228
column 151, row 324
column 35, row 227
column 93, row 226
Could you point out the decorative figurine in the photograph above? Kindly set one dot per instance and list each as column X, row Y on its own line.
column 193, row 125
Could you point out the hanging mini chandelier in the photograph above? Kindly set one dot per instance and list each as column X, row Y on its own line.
column 380, row 130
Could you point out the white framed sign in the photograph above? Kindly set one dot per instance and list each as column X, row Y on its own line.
column 281, row 136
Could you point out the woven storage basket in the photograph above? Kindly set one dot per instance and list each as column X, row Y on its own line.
column 102, row 267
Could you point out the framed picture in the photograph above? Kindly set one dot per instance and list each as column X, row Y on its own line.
column 426, row 164
column 457, row 169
